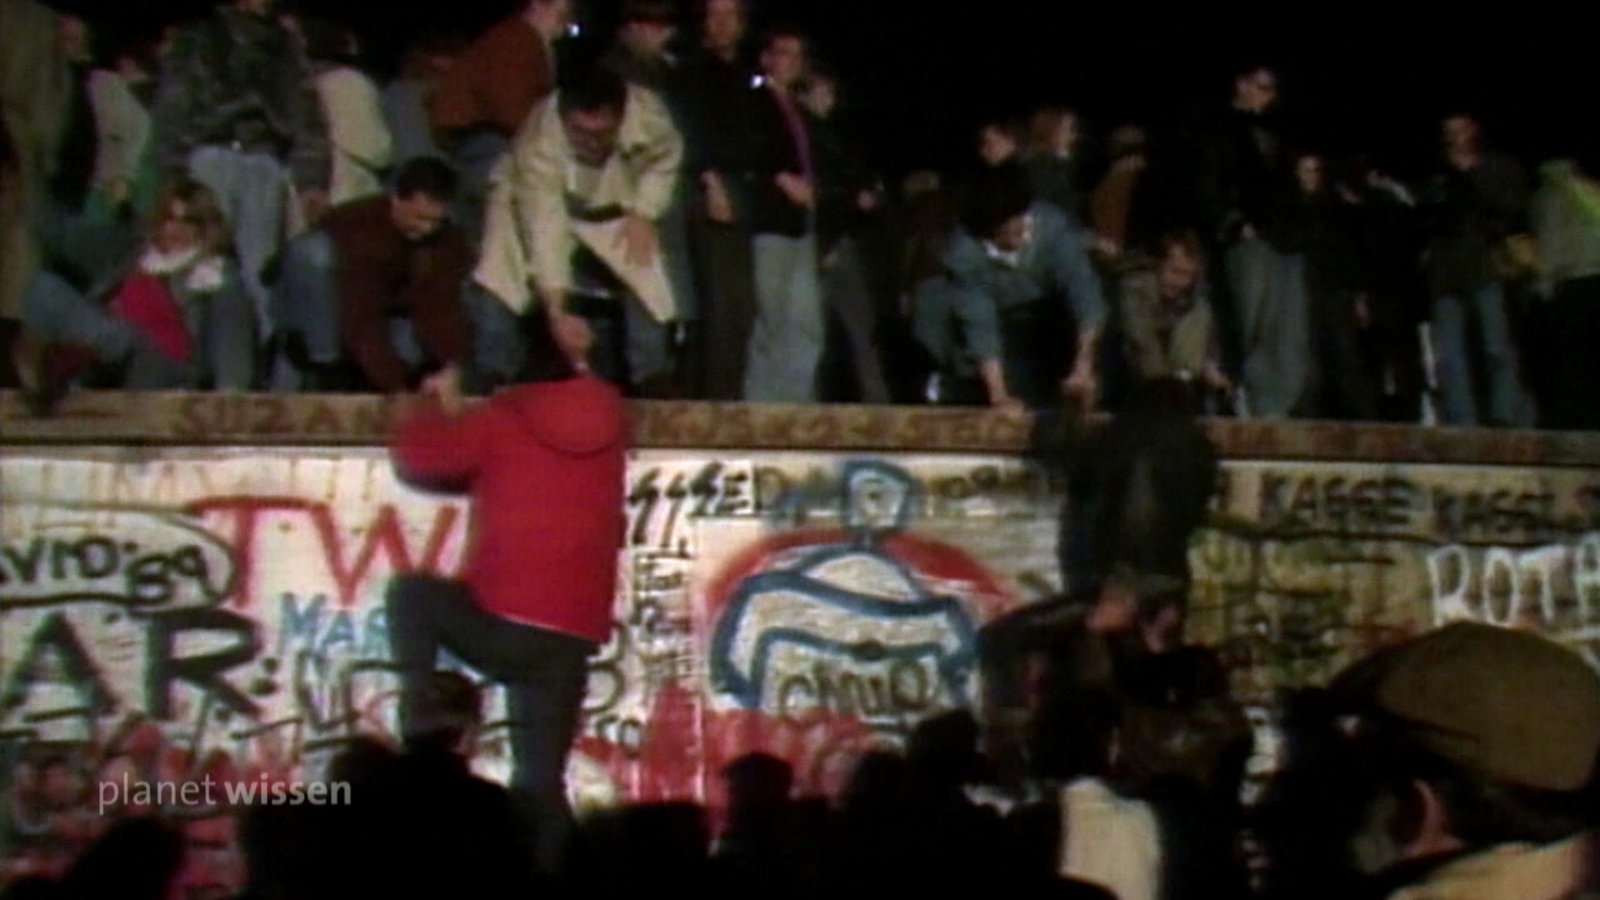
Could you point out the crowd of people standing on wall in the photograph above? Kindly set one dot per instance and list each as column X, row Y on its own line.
column 234, row 203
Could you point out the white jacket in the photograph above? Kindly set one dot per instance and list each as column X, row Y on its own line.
column 529, row 232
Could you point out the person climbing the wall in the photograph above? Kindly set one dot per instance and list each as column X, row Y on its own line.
column 543, row 463
column 1138, row 488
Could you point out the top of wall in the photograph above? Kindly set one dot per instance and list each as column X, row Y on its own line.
column 211, row 419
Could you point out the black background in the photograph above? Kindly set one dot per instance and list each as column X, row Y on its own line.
column 920, row 75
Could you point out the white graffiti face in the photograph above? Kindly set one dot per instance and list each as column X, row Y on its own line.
column 846, row 627
column 877, row 500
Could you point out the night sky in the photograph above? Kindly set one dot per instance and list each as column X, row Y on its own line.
column 919, row 75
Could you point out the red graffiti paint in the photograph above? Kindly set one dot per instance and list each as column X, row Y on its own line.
column 383, row 535
column 138, row 751
column 686, row 745
column 687, row 742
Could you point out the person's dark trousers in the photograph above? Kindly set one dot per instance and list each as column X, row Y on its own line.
column 1344, row 384
column 473, row 154
column 10, row 374
column 1394, row 353
column 851, row 339
column 1573, row 324
column 608, row 357
column 725, row 274
column 1038, row 343
column 543, row 671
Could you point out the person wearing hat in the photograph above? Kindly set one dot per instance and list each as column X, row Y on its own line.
column 1481, row 743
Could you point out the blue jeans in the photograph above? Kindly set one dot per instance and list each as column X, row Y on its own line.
column 630, row 346
column 59, row 312
column 544, row 673
column 1509, row 401
column 786, row 340
column 474, row 157
column 305, row 301
column 250, row 188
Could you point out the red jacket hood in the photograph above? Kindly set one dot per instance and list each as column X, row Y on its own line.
column 574, row 417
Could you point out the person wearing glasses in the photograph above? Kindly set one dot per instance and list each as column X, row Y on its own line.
column 574, row 225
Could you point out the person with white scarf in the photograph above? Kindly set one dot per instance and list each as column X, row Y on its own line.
column 176, row 317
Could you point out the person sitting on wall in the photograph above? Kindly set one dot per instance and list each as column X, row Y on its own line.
column 175, row 316
column 377, row 294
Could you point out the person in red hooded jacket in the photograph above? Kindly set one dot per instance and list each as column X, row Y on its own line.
column 543, row 463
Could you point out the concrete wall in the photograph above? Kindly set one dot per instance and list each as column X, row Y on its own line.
column 180, row 610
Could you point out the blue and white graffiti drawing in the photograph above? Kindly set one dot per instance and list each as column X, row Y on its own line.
column 849, row 607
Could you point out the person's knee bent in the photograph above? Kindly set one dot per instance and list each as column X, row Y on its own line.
column 407, row 596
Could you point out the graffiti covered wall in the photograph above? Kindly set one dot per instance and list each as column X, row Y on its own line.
column 222, row 610
column 1309, row 565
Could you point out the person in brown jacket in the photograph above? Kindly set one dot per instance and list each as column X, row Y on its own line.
column 374, row 298
column 484, row 98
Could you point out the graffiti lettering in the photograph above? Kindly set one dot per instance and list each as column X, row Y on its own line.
column 384, row 534
column 55, row 654
column 1336, row 504
column 171, row 637
column 145, row 561
column 627, row 732
column 661, row 502
column 310, row 627
column 1495, row 514
column 849, row 625
column 202, row 417
column 1546, row 587
column 907, row 689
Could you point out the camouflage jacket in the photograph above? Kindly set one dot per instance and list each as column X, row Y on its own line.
column 240, row 80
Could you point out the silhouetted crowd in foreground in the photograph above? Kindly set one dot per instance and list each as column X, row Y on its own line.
column 234, row 203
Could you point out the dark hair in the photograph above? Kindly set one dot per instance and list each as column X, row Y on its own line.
column 819, row 70
column 1250, row 67
column 933, row 219
column 136, row 857
column 448, row 706
column 1184, row 239
column 1073, row 732
column 942, row 752
column 426, row 175
column 995, row 197
column 1166, row 396
column 783, row 31
column 327, row 40
column 652, row 12
column 546, row 361
column 757, row 783
column 142, row 46
column 593, row 89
